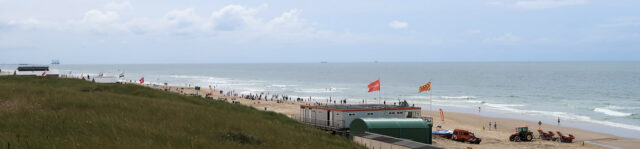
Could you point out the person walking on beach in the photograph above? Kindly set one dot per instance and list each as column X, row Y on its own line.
column 539, row 124
column 558, row 121
column 489, row 125
column 495, row 125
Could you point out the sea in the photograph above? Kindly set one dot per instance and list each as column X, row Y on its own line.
column 597, row 96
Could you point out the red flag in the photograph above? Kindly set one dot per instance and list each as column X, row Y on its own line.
column 141, row 80
column 374, row 86
column 44, row 73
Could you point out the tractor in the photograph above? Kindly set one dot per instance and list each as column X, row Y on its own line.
column 521, row 134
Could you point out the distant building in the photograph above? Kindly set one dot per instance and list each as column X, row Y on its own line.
column 337, row 118
column 105, row 79
column 36, row 71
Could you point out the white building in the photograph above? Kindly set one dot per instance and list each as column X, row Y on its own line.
column 105, row 79
column 339, row 117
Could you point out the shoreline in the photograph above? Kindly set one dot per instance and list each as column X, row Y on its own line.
column 468, row 121
column 605, row 129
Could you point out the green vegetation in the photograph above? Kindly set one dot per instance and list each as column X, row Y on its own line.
column 38, row 112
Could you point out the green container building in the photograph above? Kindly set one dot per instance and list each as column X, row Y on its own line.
column 410, row 128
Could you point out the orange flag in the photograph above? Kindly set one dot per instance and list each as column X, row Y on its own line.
column 426, row 87
column 374, row 86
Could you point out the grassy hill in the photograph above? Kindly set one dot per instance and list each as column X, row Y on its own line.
column 38, row 112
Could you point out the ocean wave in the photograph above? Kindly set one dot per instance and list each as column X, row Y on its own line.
column 503, row 105
column 280, row 85
column 458, row 97
column 611, row 112
column 317, row 90
column 187, row 77
column 562, row 115
column 621, row 108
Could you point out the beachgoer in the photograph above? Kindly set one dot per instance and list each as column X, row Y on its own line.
column 495, row 125
column 539, row 124
column 489, row 125
column 478, row 109
column 558, row 121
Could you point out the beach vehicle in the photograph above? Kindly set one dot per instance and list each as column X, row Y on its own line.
column 521, row 134
column 547, row 135
column 465, row 136
column 565, row 139
column 445, row 133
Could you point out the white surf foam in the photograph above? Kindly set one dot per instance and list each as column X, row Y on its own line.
column 510, row 108
column 611, row 112
column 458, row 97
column 280, row 85
column 317, row 90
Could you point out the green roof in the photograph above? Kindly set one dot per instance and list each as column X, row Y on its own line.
column 408, row 128
column 394, row 123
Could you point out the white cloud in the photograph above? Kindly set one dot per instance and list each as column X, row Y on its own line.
column 29, row 23
column 539, row 4
column 233, row 17
column 506, row 38
column 233, row 23
column 398, row 24
column 97, row 16
column 99, row 21
column 25, row 22
column 118, row 6
column 184, row 20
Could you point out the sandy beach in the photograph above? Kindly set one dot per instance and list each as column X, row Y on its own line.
column 472, row 122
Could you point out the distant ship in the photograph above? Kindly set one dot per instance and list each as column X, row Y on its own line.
column 323, row 62
column 55, row 62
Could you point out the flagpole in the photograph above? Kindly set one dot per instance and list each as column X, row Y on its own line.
column 430, row 101
column 379, row 96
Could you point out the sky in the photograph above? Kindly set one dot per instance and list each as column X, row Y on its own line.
column 243, row 31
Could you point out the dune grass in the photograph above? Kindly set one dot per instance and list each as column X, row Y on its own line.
column 38, row 112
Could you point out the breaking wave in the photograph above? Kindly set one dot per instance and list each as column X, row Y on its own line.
column 612, row 112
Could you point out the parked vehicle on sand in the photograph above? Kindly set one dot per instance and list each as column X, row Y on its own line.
column 445, row 133
column 565, row 139
column 521, row 134
column 547, row 135
column 465, row 136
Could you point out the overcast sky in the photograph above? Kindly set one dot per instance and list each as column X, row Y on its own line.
column 193, row 31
